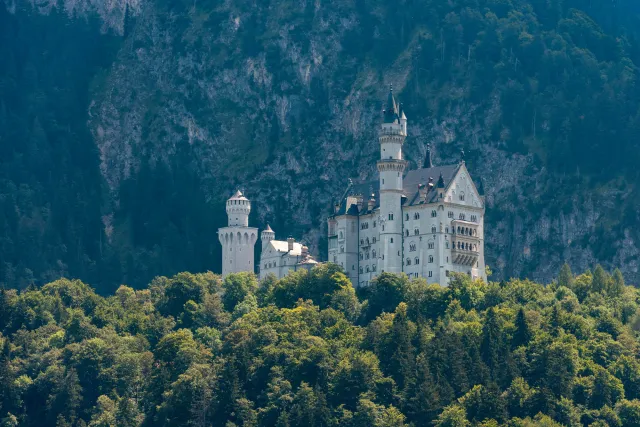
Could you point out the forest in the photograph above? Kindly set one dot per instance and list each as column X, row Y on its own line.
column 310, row 350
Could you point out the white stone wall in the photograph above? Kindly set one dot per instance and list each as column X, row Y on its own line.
column 237, row 249
column 277, row 263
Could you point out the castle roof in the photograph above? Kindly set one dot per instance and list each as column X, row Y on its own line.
column 411, row 192
column 268, row 228
column 238, row 196
column 283, row 246
column 391, row 114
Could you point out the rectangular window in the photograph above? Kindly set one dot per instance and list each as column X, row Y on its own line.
column 391, row 240
column 431, row 274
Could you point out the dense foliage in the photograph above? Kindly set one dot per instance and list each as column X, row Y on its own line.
column 555, row 78
column 306, row 350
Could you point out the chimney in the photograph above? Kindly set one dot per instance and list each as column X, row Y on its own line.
column 290, row 241
column 423, row 189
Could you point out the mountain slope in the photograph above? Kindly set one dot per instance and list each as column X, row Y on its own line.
column 283, row 99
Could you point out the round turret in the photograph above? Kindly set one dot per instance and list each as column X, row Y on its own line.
column 238, row 209
column 267, row 235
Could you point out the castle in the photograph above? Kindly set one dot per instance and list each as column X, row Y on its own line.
column 238, row 241
column 427, row 223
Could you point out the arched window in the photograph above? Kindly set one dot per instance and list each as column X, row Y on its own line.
column 417, row 261
column 373, row 254
column 406, row 217
column 461, row 216
column 360, row 270
column 408, row 261
column 431, row 244
column 416, row 231
column 362, row 241
column 450, row 214
column 374, row 267
column 361, row 256
column 446, row 245
column 417, row 215
column 433, row 229
column 462, row 196
column 390, row 217
column 412, row 247
column 434, row 214
column 367, row 268
column 367, row 256
column 406, row 232
column 430, row 258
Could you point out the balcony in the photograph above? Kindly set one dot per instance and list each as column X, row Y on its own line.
column 465, row 251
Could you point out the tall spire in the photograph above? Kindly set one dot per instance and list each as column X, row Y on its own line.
column 391, row 109
column 427, row 158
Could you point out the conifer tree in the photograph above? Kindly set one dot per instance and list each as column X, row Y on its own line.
column 600, row 281
column 565, row 277
column 522, row 334
column 617, row 284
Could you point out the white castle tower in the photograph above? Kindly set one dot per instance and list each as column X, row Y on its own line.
column 266, row 236
column 237, row 239
column 391, row 168
column 426, row 222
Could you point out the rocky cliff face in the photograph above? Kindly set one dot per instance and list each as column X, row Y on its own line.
column 284, row 98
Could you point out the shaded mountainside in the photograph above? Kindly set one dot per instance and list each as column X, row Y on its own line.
column 150, row 113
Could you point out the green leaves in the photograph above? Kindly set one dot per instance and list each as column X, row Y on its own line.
column 513, row 354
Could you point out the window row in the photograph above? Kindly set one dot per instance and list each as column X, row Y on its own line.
column 368, row 269
column 366, row 255
column 466, row 231
column 463, row 246
column 462, row 216
column 373, row 240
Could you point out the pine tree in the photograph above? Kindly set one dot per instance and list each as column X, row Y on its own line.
column 565, row 277
column 6, row 378
column 600, row 281
column 402, row 361
column 523, row 334
column 617, row 284
column 422, row 400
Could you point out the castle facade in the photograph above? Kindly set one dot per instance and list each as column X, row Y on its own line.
column 238, row 242
column 427, row 222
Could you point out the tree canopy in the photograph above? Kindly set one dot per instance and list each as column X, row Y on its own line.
column 308, row 350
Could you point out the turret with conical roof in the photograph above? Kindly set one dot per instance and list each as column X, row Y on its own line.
column 266, row 236
column 391, row 113
column 237, row 239
column 391, row 166
column 238, row 209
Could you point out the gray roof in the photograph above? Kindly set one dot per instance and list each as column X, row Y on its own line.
column 411, row 180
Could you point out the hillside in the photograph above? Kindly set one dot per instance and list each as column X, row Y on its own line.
column 124, row 125
column 307, row 351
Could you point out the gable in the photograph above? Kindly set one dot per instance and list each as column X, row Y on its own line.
column 463, row 191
